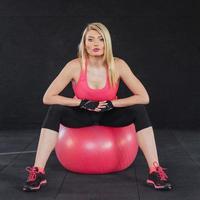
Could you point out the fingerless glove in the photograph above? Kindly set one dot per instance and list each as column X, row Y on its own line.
column 108, row 107
column 88, row 104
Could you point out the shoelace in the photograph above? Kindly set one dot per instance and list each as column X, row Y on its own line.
column 32, row 173
column 160, row 170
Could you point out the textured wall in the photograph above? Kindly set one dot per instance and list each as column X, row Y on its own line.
column 158, row 39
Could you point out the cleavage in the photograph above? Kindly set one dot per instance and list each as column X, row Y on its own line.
column 96, row 78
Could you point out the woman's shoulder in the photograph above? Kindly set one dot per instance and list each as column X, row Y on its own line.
column 119, row 60
column 116, row 59
column 74, row 64
column 120, row 63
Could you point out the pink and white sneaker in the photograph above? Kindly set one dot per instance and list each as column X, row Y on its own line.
column 159, row 179
column 35, row 180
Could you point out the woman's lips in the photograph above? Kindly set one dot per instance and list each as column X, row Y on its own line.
column 96, row 49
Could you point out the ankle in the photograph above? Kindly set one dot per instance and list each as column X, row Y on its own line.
column 153, row 167
column 40, row 169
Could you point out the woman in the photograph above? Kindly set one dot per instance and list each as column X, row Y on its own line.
column 95, row 77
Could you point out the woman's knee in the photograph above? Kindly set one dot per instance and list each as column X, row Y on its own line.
column 58, row 108
column 46, row 130
column 137, row 109
column 142, row 119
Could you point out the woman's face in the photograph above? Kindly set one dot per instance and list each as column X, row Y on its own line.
column 94, row 43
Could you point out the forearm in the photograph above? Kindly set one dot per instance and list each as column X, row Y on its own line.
column 128, row 101
column 61, row 100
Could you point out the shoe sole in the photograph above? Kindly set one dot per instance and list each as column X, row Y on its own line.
column 152, row 184
column 33, row 189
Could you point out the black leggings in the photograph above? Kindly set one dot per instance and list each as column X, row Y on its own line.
column 74, row 117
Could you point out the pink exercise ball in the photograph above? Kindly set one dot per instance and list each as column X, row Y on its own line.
column 96, row 149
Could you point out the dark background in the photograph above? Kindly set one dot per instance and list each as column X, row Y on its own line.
column 158, row 39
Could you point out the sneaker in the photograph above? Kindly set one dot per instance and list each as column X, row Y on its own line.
column 35, row 180
column 159, row 179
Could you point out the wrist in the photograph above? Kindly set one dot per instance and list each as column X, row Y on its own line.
column 114, row 103
column 78, row 102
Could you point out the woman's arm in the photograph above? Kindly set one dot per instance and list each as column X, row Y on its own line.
column 66, row 101
column 52, row 96
column 133, row 83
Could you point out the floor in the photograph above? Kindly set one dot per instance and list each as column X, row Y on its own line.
column 179, row 152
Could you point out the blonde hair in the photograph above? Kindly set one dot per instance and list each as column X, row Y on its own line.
column 108, row 53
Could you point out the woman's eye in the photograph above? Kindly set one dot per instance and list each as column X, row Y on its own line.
column 99, row 39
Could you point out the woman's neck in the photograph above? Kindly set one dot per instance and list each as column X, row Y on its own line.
column 95, row 61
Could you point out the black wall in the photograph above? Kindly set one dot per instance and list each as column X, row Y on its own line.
column 158, row 39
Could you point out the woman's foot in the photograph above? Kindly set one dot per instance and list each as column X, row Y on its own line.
column 158, row 178
column 35, row 179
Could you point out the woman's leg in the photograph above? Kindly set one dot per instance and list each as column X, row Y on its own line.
column 138, row 115
column 146, row 142
column 46, row 144
column 57, row 114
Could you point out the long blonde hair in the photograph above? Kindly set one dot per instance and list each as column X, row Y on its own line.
column 108, row 53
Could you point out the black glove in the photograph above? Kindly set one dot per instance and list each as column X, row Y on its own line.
column 109, row 106
column 88, row 104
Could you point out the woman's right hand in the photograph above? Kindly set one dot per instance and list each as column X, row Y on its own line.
column 88, row 104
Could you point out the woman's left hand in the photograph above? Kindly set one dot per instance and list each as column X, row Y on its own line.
column 104, row 106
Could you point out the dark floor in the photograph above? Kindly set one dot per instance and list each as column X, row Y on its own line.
column 179, row 152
